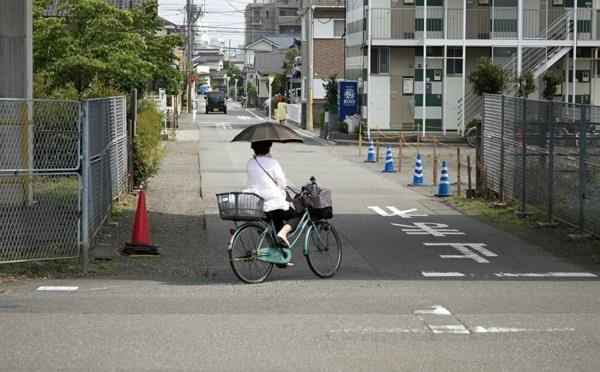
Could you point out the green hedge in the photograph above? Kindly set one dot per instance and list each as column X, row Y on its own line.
column 147, row 151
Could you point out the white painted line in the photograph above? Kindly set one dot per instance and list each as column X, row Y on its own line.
column 240, row 117
column 466, row 252
column 56, row 288
column 435, row 310
column 454, row 329
column 546, row 275
column 369, row 330
column 256, row 116
column 426, row 228
column 431, row 274
column 409, row 213
column 480, row 329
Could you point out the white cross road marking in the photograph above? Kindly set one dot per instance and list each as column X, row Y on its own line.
column 56, row 288
column 429, row 228
column 542, row 275
column 240, row 117
column 409, row 213
column 454, row 329
column 435, row 310
column 465, row 249
column 368, row 330
column 432, row 274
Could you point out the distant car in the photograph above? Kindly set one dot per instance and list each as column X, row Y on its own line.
column 215, row 102
column 204, row 89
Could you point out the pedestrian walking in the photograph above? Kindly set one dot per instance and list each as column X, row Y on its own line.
column 281, row 112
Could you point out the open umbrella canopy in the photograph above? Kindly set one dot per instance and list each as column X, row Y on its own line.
column 268, row 132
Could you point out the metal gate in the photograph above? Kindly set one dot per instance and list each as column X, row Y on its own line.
column 40, row 184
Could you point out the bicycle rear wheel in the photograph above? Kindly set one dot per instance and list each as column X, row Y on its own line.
column 471, row 137
column 243, row 253
column 323, row 250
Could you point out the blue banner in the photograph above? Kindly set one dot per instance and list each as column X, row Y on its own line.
column 347, row 99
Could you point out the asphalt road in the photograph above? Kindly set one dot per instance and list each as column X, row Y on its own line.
column 421, row 287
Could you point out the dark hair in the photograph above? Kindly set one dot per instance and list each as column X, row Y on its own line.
column 261, row 147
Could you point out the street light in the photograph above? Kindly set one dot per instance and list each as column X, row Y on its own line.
column 271, row 78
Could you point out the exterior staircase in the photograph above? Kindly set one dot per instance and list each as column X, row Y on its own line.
column 536, row 60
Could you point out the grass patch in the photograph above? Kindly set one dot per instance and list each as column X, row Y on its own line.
column 104, row 267
column 51, row 269
column 503, row 217
column 126, row 203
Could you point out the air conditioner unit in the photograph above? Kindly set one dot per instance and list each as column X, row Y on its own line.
column 409, row 1
column 557, row 2
column 484, row 2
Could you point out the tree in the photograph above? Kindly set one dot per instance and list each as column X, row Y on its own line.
column 288, row 61
column 525, row 84
column 95, row 40
column 279, row 83
column 487, row 77
column 331, row 91
column 551, row 83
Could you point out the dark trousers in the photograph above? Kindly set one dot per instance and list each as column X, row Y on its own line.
column 278, row 216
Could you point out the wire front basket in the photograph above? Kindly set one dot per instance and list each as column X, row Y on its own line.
column 240, row 206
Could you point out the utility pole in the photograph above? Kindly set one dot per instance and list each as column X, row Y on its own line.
column 188, row 64
column 311, row 73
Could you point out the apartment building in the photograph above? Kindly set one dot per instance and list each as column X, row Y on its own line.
column 398, row 61
column 267, row 18
column 321, row 51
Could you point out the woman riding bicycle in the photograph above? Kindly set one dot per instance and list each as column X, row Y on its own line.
column 266, row 178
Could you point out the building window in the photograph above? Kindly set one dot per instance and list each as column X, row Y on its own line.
column 288, row 12
column 380, row 61
column 339, row 27
column 267, row 14
column 454, row 64
column 256, row 14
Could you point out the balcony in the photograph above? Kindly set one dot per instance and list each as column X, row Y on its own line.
column 482, row 24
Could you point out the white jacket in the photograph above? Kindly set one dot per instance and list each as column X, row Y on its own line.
column 260, row 183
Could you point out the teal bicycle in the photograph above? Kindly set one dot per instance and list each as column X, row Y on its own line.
column 253, row 250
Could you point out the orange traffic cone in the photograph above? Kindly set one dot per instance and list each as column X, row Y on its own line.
column 140, row 239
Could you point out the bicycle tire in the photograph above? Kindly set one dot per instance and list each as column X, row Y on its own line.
column 323, row 255
column 242, row 254
column 471, row 137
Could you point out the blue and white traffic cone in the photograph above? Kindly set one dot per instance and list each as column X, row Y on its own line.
column 418, row 175
column 444, row 188
column 389, row 161
column 371, row 153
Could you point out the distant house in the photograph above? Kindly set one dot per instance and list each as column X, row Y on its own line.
column 265, row 56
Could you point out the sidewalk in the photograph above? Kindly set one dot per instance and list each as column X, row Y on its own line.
column 175, row 216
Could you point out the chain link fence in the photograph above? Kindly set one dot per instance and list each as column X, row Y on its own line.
column 545, row 155
column 52, row 203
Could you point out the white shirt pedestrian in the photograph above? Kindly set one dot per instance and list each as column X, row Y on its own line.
column 261, row 184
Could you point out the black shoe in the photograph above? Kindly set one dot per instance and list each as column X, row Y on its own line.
column 282, row 242
column 283, row 266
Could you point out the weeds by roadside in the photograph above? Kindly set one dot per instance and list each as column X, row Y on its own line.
column 555, row 239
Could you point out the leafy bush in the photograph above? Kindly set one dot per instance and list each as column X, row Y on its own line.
column 147, row 152
column 487, row 77
column 551, row 82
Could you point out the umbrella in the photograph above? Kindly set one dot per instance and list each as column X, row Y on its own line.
column 268, row 132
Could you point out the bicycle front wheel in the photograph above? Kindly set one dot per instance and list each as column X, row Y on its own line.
column 323, row 250
column 243, row 253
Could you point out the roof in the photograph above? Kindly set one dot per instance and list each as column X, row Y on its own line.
column 266, row 63
column 279, row 42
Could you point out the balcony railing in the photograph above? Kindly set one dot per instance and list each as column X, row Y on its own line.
column 496, row 23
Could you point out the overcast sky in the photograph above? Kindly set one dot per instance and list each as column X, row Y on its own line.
column 222, row 18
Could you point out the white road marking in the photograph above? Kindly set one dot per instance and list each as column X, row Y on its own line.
column 256, row 116
column 452, row 328
column 56, row 288
column 466, row 252
column 222, row 125
column 480, row 329
column 542, row 275
column 367, row 330
column 409, row 213
column 441, row 275
column 435, row 310
column 427, row 228
column 244, row 117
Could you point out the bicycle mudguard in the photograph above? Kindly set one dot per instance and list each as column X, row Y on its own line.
column 275, row 255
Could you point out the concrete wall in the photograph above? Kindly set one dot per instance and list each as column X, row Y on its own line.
column 15, row 49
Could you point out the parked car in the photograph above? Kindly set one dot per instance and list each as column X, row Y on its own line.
column 204, row 89
column 215, row 102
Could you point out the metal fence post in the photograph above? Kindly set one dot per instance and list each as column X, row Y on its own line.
column 502, row 151
column 85, row 175
column 550, row 161
column 582, row 176
column 524, row 169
